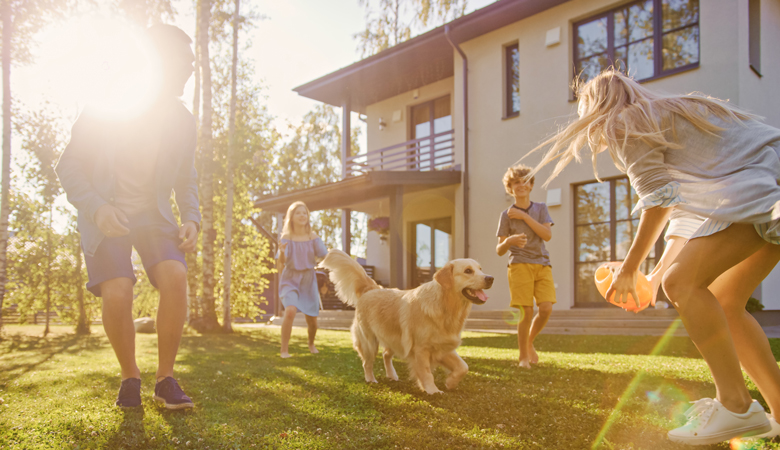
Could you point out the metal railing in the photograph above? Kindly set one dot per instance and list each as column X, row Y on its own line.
column 435, row 152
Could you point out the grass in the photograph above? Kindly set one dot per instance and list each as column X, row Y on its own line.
column 58, row 393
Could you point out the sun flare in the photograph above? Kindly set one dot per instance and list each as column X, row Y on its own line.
column 102, row 62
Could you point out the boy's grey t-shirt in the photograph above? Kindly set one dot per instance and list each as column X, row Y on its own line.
column 534, row 251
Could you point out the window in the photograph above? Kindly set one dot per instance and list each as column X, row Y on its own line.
column 512, row 81
column 432, row 119
column 604, row 229
column 637, row 40
column 754, row 35
column 432, row 241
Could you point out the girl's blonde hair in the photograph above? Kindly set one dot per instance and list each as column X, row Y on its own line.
column 287, row 229
column 614, row 109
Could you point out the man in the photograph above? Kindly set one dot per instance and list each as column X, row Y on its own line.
column 119, row 175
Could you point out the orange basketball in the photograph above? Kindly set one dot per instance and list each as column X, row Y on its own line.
column 603, row 278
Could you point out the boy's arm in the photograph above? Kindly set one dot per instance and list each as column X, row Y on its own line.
column 504, row 242
column 186, row 185
column 543, row 230
column 71, row 169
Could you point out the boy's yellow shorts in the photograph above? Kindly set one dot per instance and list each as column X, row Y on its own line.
column 529, row 281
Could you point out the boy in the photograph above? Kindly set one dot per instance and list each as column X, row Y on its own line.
column 522, row 230
column 119, row 175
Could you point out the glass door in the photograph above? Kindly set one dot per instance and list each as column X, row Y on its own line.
column 432, row 241
column 431, row 119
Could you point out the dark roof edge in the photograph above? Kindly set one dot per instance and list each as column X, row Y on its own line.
column 493, row 9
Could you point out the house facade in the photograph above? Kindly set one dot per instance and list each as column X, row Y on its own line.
column 448, row 111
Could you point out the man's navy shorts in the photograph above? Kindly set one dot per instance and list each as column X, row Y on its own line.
column 155, row 240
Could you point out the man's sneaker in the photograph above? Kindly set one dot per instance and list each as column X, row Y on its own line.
column 129, row 393
column 774, row 432
column 709, row 422
column 168, row 392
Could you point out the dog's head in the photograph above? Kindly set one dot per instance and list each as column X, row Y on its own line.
column 465, row 276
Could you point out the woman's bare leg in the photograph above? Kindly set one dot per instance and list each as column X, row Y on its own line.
column 699, row 263
column 733, row 289
column 311, row 322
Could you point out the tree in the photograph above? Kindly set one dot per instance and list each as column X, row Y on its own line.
column 397, row 20
column 21, row 20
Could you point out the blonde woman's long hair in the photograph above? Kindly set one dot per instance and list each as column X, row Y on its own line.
column 614, row 109
column 287, row 229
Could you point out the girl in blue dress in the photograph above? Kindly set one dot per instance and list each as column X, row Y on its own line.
column 299, row 249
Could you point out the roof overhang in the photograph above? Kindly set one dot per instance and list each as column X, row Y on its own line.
column 417, row 62
column 356, row 190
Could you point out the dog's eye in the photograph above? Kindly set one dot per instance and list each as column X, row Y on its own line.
column 469, row 270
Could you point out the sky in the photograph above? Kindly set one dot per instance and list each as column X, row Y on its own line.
column 300, row 40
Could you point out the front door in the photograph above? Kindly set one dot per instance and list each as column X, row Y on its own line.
column 432, row 240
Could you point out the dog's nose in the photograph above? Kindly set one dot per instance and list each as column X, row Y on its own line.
column 489, row 281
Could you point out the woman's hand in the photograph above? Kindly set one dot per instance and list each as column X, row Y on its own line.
column 623, row 284
column 282, row 249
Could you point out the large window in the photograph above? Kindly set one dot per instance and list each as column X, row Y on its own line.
column 604, row 229
column 639, row 40
column 512, row 81
column 432, row 120
column 432, row 242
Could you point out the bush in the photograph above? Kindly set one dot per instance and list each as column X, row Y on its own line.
column 753, row 305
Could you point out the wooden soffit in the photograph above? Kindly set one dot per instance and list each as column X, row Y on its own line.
column 355, row 190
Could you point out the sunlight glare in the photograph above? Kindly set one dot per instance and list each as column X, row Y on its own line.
column 103, row 62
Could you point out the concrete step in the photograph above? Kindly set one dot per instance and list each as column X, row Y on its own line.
column 561, row 323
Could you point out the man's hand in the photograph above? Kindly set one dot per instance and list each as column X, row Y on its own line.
column 515, row 213
column 111, row 221
column 517, row 240
column 188, row 232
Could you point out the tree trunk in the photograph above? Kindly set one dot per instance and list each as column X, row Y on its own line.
column 209, row 317
column 229, row 201
column 192, row 258
column 48, row 268
column 82, row 325
column 5, row 188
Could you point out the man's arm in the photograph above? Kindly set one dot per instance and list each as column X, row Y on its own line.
column 72, row 168
column 186, row 185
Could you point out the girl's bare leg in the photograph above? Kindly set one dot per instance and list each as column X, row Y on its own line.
column 700, row 262
column 311, row 322
column 287, row 323
column 733, row 289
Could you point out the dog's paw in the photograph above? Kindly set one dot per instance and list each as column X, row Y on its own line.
column 393, row 377
column 433, row 391
column 451, row 384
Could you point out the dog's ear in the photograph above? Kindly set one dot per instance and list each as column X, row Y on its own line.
column 445, row 276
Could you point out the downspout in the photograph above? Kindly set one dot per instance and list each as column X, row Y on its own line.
column 465, row 141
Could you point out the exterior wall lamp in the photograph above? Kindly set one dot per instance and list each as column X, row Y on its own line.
column 382, row 124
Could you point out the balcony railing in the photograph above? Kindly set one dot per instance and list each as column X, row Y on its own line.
column 424, row 154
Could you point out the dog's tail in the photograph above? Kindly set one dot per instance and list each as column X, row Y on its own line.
column 348, row 276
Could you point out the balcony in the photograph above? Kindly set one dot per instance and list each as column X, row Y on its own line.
column 428, row 153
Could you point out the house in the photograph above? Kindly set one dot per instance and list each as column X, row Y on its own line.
column 448, row 111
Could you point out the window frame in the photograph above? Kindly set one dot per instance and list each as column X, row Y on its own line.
column 508, row 63
column 658, row 35
column 613, row 222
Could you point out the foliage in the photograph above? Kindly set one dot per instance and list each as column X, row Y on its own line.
column 246, row 395
column 753, row 305
column 395, row 21
column 380, row 225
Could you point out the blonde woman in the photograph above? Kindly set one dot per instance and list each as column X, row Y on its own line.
column 299, row 249
column 704, row 157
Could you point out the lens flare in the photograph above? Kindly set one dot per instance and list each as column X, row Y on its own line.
column 103, row 62
column 632, row 386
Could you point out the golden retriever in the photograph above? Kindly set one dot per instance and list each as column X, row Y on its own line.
column 421, row 325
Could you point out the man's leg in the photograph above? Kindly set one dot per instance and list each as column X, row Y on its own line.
column 171, row 279
column 118, row 324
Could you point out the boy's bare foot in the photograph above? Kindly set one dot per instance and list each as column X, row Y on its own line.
column 524, row 364
column 313, row 349
column 285, row 355
column 533, row 357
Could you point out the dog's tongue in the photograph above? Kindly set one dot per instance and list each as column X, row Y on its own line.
column 481, row 295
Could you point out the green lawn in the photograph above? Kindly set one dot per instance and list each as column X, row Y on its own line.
column 58, row 392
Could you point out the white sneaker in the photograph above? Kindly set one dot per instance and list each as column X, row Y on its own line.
column 709, row 422
column 775, row 431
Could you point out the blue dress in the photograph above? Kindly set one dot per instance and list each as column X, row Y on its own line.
column 298, row 285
